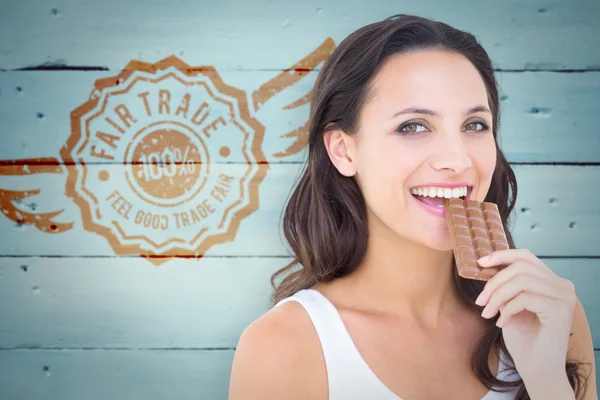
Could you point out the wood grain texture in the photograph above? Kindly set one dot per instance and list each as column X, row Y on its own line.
column 545, row 116
column 555, row 214
column 80, row 322
column 117, row 374
column 125, row 303
column 258, row 34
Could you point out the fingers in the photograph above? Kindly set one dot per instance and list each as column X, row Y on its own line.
column 505, row 256
column 513, row 287
column 511, row 256
column 507, row 274
column 524, row 301
column 525, row 276
column 541, row 306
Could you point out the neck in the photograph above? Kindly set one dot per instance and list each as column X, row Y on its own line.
column 407, row 279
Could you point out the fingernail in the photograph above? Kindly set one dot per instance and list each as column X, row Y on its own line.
column 500, row 322
column 483, row 260
column 486, row 312
column 479, row 300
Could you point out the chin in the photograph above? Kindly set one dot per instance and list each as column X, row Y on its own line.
column 439, row 246
column 438, row 243
column 432, row 237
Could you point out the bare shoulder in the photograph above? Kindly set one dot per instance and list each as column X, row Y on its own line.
column 279, row 356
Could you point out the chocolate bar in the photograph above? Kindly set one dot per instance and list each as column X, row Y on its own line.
column 476, row 231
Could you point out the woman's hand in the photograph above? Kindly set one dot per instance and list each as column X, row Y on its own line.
column 536, row 308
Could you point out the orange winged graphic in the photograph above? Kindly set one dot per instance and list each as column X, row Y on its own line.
column 282, row 86
column 274, row 107
column 8, row 198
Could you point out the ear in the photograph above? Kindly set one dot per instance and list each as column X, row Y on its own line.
column 340, row 148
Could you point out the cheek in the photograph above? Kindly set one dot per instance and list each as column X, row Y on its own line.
column 381, row 172
column 484, row 160
column 392, row 164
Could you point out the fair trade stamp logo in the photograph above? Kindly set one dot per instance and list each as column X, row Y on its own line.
column 167, row 196
column 165, row 159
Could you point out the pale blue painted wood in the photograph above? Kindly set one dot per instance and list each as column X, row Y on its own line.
column 549, row 116
column 555, row 214
column 546, row 117
column 239, row 34
column 585, row 275
column 54, row 95
column 80, row 304
column 554, row 218
column 126, row 303
column 129, row 305
column 119, row 375
column 116, row 374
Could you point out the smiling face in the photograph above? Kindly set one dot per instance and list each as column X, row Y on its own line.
column 394, row 152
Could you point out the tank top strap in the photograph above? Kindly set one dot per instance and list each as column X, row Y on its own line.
column 345, row 367
column 349, row 376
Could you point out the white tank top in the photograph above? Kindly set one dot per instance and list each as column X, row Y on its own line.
column 349, row 376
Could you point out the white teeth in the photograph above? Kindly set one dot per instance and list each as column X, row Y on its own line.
column 446, row 193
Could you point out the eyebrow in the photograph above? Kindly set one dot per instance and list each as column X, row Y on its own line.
column 426, row 111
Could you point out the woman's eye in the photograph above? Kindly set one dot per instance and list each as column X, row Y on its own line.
column 484, row 127
column 409, row 128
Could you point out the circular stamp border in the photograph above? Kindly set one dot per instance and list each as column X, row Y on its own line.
column 78, row 166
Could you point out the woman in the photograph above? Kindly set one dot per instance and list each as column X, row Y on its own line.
column 376, row 309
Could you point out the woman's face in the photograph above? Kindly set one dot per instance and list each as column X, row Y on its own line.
column 393, row 153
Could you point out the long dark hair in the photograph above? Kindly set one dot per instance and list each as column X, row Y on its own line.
column 324, row 220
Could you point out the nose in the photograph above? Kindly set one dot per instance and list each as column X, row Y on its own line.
column 451, row 153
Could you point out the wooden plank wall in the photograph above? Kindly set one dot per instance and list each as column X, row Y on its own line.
column 83, row 316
